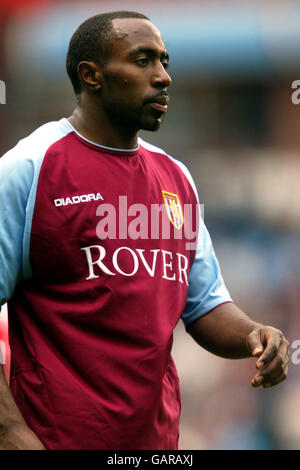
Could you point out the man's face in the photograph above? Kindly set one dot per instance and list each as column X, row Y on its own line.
column 135, row 81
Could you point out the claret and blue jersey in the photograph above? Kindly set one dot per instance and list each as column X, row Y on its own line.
column 95, row 289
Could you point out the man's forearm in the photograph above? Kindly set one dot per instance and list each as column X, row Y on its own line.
column 14, row 432
column 224, row 331
column 9, row 412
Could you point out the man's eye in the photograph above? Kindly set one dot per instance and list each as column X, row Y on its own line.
column 143, row 61
column 165, row 65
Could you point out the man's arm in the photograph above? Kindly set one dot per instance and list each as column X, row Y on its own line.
column 14, row 432
column 16, row 176
column 230, row 333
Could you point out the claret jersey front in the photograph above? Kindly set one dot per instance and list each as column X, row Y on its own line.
column 101, row 252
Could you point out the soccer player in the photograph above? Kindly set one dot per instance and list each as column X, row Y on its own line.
column 94, row 287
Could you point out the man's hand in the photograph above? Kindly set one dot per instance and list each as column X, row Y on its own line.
column 272, row 350
column 228, row 332
column 19, row 437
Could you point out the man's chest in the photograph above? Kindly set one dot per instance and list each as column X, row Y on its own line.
column 101, row 215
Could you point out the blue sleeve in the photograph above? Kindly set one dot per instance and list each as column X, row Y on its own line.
column 19, row 175
column 206, row 286
column 16, row 177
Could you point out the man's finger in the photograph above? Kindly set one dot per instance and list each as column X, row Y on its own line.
column 274, row 341
column 278, row 381
column 257, row 380
column 270, row 338
column 254, row 343
column 275, row 371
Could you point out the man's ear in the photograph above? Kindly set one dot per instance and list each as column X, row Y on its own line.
column 90, row 75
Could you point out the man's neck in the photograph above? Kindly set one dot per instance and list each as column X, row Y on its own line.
column 98, row 129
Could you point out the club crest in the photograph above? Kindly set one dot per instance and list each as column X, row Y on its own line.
column 174, row 209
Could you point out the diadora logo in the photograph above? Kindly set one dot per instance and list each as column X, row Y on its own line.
column 77, row 199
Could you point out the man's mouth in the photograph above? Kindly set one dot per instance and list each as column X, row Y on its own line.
column 160, row 107
column 160, row 102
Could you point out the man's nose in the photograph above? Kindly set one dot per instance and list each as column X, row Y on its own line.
column 161, row 78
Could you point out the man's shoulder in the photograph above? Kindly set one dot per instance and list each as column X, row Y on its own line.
column 177, row 164
column 20, row 165
column 153, row 149
column 36, row 144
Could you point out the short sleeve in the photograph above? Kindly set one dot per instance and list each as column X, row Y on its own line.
column 19, row 175
column 206, row 289
column 206, row 286
column 15, row 182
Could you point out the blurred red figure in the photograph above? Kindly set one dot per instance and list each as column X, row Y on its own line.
column 4, row 343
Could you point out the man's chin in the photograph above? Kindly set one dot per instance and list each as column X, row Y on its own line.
column 152, row 126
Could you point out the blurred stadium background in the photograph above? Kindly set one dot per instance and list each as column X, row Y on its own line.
column 233, row 123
